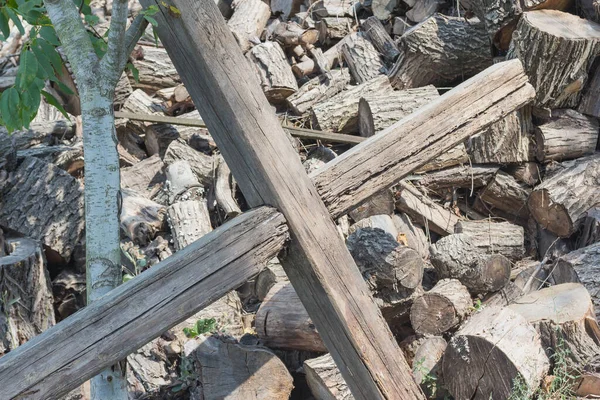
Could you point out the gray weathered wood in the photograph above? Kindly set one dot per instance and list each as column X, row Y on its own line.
column 68, row 354
column 38, row 132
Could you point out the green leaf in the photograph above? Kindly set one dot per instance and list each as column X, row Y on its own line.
column 64, row 88
column 4, row 27
column 48, row 34
column 9, row 108
column 205, row 325
column 127, row 277
column 134, row 72
column 53, row 102
column 45, row 69
column 91, row 20
column 52, row 55
column 15, row 18
column 190, row 332
column 151, row 20
column 27, row 69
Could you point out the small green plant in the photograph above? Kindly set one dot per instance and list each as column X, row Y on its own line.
column 187, row 374
column 429, row 383
column 477, row 306
column 204, row 325
column 520, row 391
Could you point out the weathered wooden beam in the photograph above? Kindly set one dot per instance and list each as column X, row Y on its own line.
column 268, row 171
column 73, row 351
column 386, row 158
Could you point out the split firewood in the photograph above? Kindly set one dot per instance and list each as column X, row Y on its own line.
column 495, row 237
column 420, row 10
column 418, row 66
column 145, row 177
column 334, row 28
column 26, row 294
column 556, row 61
column 382, row 9
column 560, row 202
column 271, row 275
column 230, row 370
column 504, row 193
column 274, row 72
column 292, row 34
column 38, row 133
column 424, row 211
column 455, row 156
column 411, row 235
column 333, row 8
column 202, row 165
column 427, row 362
column 506, row 141
column 308, row 66
column 138, row 103
column 589, row 233
column 325, row 380
column 441, row 308
column 383, row 222
column 59, row 223
column 457, row 256
column 156, row 70
column 248, row 21
column 141, row 218
column 527, row 173
column 381, row 203
column 564, row 316
column 567, row 136
column 362, row 57
column 224, row 190
column 490, row 352
column 467, row 177
column 340, row 112
column 581, row 266
column 590, row 103
column 282, row 321
column 374, row 30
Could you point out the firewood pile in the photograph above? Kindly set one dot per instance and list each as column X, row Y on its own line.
column 485, row 261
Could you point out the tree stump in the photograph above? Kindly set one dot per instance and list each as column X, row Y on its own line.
column 556, row 60
column 455, row 49
column 566, row 136
column 26, row 308
column 441, row 308
column 325, row 380
column 494, row 348
column 275, row 74
column 457, row 256
column 560, row 202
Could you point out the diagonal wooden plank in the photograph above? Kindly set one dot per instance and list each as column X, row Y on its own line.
column 268, row 171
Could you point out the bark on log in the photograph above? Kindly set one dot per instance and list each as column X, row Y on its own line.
column 441, row 308
column 340, row 113
column 46, row 132
column 68, row 158
column 581, row 266
column 202, row 165
column 507, row 195
column 145, row 177
column 566, row 55
column 224, row 190
column 318, row 89
column 374, row 30
column 39, row 370
column 334, row 28
column 507, row 141
column 589, row 233
column 424, row 211
column 141, row 218
column 421, row 9
column 527, row 173
column 439, row 51
column 282, row 321
column 380, row 203
column 412, row 236
column 189, row 220
column 455, row 156
column 156, row 70
column 559, row 203
column 362, row 57
column 495, row 237
column 466, row 177
column 567, row 136
column 44, row 203
column 248, row 21
column 275, row 75
column 325, row 380
column 234, row 371
column 563, row 315
column 310, row 65
column 26, row 294
column 457, row 256
column 487, row 355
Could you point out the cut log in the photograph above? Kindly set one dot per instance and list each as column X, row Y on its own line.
column 46, row 132
column 507, row 195
column 141, row 218
column 441, row 308
column 427, row 362
column 362, row 57
column 68, row 158
column 229, row 370
column 562, row 315
column 44, row 203
column 590, row 104
column 383, row 222
column 202, row 165
column 275, row 75
column 495, row 237
column 490, row 352
column 269, row 277
column 381, row 203
column 325, row 380
column 340, row 113
column 309, row 66
column 506, row 141
column 467, row 177
column 156, row 70
column 560, row 202
column 411, row 235
column 334, row 28
column 282, row 321
column 589, row 233
column 182, row 184
column 26, row 294
column 224, row 190
column 385, row 109
column 333, row 8
column 434, row 64
column 139, row 102
column 292, row 34
column 582, row 266
column 421, row 9
column 145, row 177
column 248, row 21
column 374, row 30
column 455, row 156
column 567, row 55
column 457, row 256
column 567, row 136
column 424, row 211
column 527, row 173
